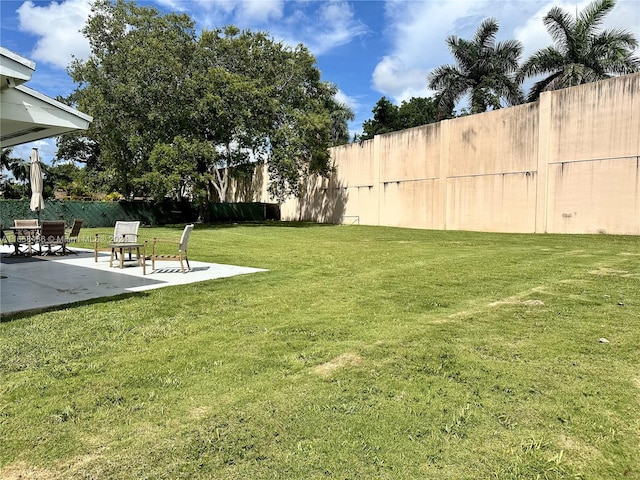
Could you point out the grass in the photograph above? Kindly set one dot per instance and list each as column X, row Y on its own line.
column 362, row 352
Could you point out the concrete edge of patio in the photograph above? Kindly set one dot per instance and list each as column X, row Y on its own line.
column 35, row 284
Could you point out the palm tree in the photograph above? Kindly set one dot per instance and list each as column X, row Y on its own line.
column 581, row 54
column 484, row 69
column 18, row 167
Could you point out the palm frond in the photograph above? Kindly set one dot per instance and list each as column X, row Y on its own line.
column 543, row 85
column 559, row 24
column 546, row 60
column 486, row 33
column 591, row 16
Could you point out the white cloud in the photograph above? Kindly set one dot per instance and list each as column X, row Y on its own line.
column 339, row 27
column 260, row 10
column 177, row 5
column 417, row 33
column 351, row 102
column 399, row 81
column 58, row 26
column 321, row 26
column 330, row 25
column 534, row 36
column 626, row 15
column 532, row 32
column 212, row 14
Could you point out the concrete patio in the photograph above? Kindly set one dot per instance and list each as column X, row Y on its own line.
column 39, row 283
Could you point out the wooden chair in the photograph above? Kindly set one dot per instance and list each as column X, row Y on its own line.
column 52, row 235
column 156, row 255
column 123, row 232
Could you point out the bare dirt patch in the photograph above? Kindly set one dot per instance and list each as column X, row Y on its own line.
column 199, row 412
column 518, row 301
column 581, row 452
column 533, row 303
column 22, row 471
column 341, row 361
column 608, row 271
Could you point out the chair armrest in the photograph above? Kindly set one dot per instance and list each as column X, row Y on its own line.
column 165, row 240
column 162, row 241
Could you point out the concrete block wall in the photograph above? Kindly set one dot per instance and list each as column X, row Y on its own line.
column 569, row 163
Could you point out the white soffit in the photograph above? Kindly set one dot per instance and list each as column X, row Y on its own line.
column 14, row 69
column 27, row 115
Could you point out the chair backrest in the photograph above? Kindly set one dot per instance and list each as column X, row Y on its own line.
column 52, row 231
column 184, row 239
column 26, row 223
column 75, row 228
column 125, row 232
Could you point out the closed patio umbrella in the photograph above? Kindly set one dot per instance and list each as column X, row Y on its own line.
column 35, row 176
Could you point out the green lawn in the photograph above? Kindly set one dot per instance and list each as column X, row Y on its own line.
column 361, row 353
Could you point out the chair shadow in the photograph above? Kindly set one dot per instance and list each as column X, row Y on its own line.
column 177, row 270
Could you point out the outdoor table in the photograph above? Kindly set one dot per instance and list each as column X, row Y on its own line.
column 31, row 233
column 121, row 247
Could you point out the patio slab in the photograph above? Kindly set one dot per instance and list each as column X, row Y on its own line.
column 38, row 283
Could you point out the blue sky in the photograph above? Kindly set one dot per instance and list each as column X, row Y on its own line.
column 368, row 48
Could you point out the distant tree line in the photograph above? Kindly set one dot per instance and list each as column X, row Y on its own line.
column 489, row 73
column 67, row 177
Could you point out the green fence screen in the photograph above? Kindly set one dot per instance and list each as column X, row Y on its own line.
column 105, row 214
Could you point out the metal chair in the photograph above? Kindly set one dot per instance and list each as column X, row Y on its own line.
column 74, row 233
column 52, row 235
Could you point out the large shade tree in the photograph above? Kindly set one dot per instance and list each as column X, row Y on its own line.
column 132, row 85
column 581, row 53
column 485, row 70
column 175, row 112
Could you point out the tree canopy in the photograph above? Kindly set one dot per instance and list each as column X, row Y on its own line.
column 174, row 112
column 388, row 117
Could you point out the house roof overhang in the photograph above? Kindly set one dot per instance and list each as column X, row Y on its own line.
column 27, row 115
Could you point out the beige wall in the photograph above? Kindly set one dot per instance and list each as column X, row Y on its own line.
column 569, row 163
column 593, row 183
